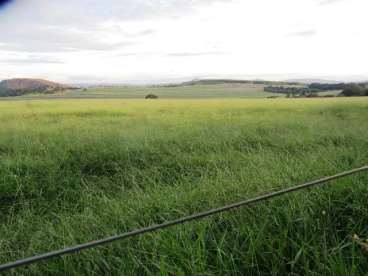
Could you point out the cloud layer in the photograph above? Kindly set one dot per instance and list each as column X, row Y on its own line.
column 305, row 33
column 123, row 39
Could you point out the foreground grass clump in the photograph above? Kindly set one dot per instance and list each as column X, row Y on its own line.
column 73, row 171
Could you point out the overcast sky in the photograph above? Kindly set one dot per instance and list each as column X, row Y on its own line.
column 165, row 40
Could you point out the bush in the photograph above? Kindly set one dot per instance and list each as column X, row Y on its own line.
column 151, row 96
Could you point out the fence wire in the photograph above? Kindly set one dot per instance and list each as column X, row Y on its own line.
column 141, row 231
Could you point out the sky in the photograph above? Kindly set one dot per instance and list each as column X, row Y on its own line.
column 148, row 41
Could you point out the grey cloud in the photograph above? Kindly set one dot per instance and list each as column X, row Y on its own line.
column 138, row 34
column 327, row 2
column 55, row 47
column 193, row 54
column 145, row 32
column 69, row 25
column 179, row 54
column 133, row 54
column 54, row 39
column 31, row 60
column 304, row 33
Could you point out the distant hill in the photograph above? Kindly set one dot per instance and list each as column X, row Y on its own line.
column 231, row 81
column 309, row 81
column 19, row 87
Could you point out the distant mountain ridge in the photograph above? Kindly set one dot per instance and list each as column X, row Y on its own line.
column 22, row 86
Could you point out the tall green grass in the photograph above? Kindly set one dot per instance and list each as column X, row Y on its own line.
column 72, row 171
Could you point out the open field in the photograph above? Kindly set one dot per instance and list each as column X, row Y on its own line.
column 72, row 171
column 198, row 91
column 178, row 92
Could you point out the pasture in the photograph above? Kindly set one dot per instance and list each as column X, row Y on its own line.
column 74, row 170
column 174, row 92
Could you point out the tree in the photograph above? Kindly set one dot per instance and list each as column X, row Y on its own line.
column 354, row 90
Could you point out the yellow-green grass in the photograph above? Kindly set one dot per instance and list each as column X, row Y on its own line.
column 72, row 171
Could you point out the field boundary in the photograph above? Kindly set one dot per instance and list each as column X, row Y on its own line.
column 197, row 216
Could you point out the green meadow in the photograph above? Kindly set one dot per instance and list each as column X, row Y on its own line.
column 73, row 171
column 219, row 91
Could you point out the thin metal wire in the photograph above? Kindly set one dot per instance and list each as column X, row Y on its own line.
column 74, row 249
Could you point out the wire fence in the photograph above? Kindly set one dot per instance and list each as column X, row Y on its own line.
column 141, row 231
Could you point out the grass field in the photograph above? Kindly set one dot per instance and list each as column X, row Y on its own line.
column 179, row 92
column 72, row 171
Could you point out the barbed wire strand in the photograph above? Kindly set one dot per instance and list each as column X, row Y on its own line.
column 137, row 232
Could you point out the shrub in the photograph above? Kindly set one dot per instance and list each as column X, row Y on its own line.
column 151, row 96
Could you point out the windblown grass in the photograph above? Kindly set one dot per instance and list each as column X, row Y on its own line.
column 72, row 171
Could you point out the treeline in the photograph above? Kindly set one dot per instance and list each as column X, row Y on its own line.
column 232, row 81
column 312, row 90
column 327, row 86
column 290, row 89
column 354, row 89
column 21, row 92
